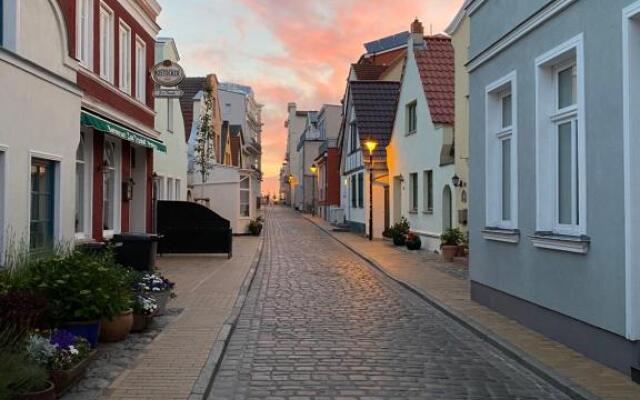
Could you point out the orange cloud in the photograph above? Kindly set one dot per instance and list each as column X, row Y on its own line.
column 319, row 41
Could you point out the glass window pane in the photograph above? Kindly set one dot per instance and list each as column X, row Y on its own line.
column 565, row 201
column 41, row 219
column 506, row 111
column 566, row 88
column 506, row 180
column 361, row 190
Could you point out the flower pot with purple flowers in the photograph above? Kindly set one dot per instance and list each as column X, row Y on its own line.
column 157, row 287
column 144, row 309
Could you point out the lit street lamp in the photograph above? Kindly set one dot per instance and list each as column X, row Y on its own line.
column 313, row 170
column 371, row 146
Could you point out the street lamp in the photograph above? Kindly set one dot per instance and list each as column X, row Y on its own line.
column 371, row 146
column 313, row 170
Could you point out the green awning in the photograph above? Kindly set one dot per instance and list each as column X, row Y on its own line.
column 101, row 124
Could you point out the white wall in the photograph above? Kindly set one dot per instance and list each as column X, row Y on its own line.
column 416, row 153
column 32, row 127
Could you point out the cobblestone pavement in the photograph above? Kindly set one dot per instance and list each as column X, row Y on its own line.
column 321, row 324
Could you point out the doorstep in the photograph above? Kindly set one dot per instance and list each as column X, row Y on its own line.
column 575, row 374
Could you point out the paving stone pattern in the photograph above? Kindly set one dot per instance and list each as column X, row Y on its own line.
column 321, row 324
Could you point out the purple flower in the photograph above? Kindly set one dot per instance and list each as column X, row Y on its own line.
column 63, row 339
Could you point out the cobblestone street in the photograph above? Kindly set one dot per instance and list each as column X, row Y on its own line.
column 319, row 323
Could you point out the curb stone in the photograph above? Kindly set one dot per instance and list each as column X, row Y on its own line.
column 202, row 386
column 557, row 380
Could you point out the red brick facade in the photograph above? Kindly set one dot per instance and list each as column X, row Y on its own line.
column 331, row 164
column 106, row 97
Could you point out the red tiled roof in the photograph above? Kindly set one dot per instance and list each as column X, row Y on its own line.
column 436, row 68
column 384, row 58
column 190, row 87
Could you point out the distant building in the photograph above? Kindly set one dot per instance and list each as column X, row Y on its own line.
column 170, row 167
column 328, row 163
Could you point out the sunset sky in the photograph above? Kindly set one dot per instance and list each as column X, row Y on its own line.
column 288, row 50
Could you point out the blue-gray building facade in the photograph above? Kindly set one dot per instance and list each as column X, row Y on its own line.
column 554, row 86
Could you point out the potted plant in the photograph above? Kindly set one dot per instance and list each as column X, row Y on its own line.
column 413, row 241
column 156, row 287
column 63, row 354
column 449, row 241
column 144, row 308
column 255, row 226
column 81, row 289
column 20, row 376
column 399, row 231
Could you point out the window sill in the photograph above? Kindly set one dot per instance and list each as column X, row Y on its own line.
column 409, row 133
column 428, row 212
column 501, row 235
column 554, row 241
column 413, row 211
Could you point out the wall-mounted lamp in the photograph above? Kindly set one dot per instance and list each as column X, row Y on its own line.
column 457, row 182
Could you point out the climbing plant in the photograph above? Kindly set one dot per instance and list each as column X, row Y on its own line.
column 204, row 151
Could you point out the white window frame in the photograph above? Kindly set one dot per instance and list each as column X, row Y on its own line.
column 106, row 44
column 88, row 187
column 84, row 39
column 548, row 118
column 170, row 187
column 427, row 191
column 57, row 212
column 141, row 70
column 177, row 194
column 411, row 119
column 495, row 135
column 414, row 198
column 117, row 187
column 241, row 189
column 631, row 135
column 124, row 57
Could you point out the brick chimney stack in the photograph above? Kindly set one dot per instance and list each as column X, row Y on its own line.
column 417, row 33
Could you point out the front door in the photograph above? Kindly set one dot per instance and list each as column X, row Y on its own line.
column 42, row 205
column 397, row 198
column 386, row 207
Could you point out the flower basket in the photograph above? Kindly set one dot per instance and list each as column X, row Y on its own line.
column 161, row 298
column 47, row 394
column 64, row 379
column 449, row 252
column 89, row 330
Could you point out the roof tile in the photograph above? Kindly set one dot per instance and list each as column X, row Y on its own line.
column 437, row 73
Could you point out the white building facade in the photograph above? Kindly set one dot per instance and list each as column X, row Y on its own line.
column 420, row 155
column 170, row 167
column 37, row 141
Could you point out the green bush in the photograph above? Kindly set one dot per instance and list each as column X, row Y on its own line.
column 78, row 286
column 451, row 237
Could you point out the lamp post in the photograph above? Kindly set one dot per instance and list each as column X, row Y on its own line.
column 313, row 170
column 371, row 146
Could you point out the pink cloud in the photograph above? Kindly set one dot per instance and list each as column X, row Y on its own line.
column 320, row 41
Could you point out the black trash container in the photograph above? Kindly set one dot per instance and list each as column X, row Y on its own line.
column 136, row 250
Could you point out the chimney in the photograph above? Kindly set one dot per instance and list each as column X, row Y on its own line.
column 417, row 33
column 291, row 106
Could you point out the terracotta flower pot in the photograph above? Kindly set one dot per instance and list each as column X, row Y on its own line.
column 118, row 328
column 64, row 379
column 448, row 252
column 47, row 394
column 139, row 323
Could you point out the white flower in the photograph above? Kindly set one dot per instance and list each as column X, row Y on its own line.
column 73, row 350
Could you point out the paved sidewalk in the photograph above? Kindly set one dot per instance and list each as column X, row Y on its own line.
column 207, row 287
column 434, row 282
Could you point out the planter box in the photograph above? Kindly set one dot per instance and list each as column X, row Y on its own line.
column 89, row 330
column 63, row 380
column 161, row 298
